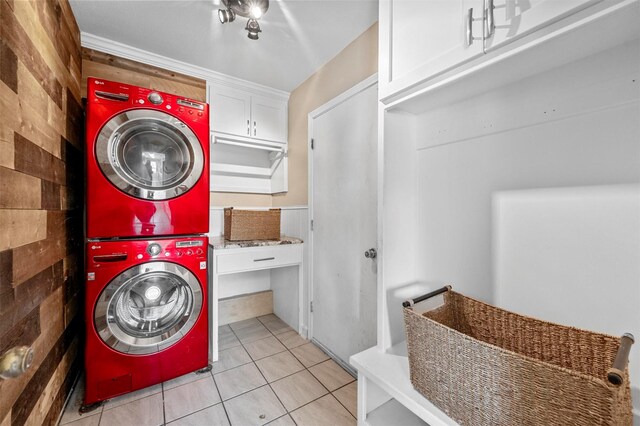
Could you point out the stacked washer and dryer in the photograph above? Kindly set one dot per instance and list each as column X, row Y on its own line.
column 147, row 195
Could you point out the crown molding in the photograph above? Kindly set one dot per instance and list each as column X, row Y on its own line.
column 92, row 41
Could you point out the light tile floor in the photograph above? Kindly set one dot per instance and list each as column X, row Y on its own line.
column 266, row 374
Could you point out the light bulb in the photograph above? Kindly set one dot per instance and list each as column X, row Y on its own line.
column 256, row 12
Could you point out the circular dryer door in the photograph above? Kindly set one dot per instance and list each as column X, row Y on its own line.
column 149, row 154
column 148, row 308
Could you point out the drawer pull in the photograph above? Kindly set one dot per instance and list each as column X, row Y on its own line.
column 262, row 260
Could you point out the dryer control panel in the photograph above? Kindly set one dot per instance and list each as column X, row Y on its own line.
column 191, row 252
column 107, row 92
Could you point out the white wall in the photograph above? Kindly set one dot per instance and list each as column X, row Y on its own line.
column 397, row 223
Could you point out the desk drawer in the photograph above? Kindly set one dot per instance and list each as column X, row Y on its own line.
column 247, row 259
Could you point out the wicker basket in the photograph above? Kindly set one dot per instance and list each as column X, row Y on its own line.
column 242, row 225
column 486, row 366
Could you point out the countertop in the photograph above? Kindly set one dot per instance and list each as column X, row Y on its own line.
column 219, row 243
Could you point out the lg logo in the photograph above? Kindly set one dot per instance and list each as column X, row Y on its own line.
column 99, row 82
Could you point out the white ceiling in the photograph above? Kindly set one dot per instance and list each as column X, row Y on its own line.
column 298, row 37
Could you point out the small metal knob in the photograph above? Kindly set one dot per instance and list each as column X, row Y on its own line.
column 371, row 253
column 15, row 362
column 154, row 249
column 155, row 98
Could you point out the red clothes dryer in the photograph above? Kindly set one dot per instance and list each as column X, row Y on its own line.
column 145, row 312
column 147, row 162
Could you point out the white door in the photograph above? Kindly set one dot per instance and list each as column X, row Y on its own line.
column 343, row 210
column 515, row 18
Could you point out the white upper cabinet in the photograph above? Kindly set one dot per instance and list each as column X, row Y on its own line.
column 230, row 110
column 509, row 19
column 425, row 45
column 269, row 118
column 421, row 39
column 248, row 115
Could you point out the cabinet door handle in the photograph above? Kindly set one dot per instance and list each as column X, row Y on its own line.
column 469, row 38
column 469, row 32
column 248, row 128
column 254, row 128
column 262, row 260
column 491, row 23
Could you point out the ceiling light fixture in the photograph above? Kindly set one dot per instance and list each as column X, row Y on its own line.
column 226, row 15
column 254, row 28
column 252, row 9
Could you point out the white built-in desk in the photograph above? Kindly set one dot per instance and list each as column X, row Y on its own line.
column 231, row 257
column 385, row 393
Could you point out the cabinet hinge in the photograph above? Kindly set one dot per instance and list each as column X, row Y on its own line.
column 311, row 143
column 311, row 306
column 312, row 224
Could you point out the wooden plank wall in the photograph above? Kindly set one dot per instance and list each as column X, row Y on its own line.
column 114, row 68
column 41, row 198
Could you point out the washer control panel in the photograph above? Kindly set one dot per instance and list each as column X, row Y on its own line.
column 105, row 254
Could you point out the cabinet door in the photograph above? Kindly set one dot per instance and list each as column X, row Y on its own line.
column 269, row 119
column 421, row 39
column 230, row 111
column 516, row 18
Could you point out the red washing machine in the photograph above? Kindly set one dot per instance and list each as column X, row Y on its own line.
column 147, row 162
column 146, row 313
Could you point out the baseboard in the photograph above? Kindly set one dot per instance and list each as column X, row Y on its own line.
column 245, row 306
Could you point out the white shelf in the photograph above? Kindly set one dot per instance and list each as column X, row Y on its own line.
column 393, row 413
column 390, row 372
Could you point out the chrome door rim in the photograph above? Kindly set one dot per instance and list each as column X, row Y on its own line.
column 105, row 320
column 108, row 139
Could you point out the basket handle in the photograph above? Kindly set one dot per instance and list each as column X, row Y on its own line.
column 616, row 372
column 409, row 303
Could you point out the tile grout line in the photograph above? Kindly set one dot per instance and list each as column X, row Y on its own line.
column 196, row 411
column 260, row 371
column 224, row 407
column 322, row 384
column 305, row 368
column 340, row 402
column 331, row 392
column 265, row 379
column 287, row 412
column 164, row 409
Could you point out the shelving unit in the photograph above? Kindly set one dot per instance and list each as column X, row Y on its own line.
column 249, row 145
column 247, row 165
column 385, row 393
column 537, row 113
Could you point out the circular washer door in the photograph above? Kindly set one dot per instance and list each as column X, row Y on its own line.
column 148, row 308
column 149, row 154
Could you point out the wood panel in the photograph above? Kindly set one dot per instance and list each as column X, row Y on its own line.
column 103, row 65
column 139, row 68
column 19, row 190
column 6, row 146
column 41, row 198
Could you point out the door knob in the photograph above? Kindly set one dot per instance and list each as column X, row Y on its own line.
column 370, row 254
column 15, row 362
